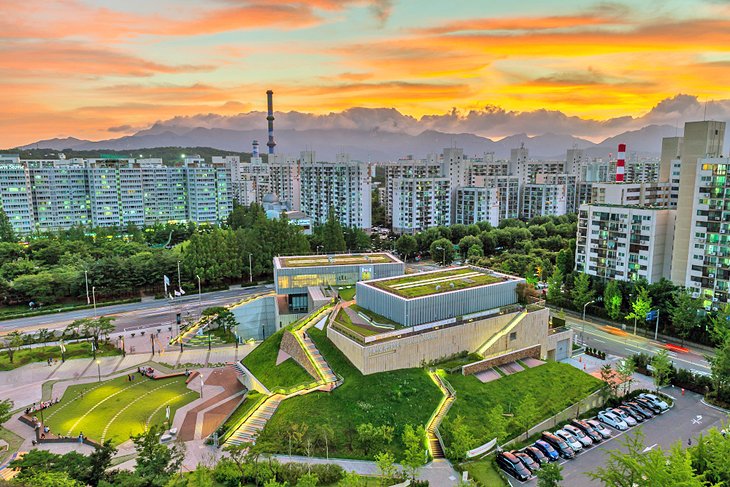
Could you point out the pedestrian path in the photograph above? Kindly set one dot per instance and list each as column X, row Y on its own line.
column 435, row 445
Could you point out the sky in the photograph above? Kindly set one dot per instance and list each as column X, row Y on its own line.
column 97, row 69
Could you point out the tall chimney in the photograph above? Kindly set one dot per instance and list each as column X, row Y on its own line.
column 255, row 151
column 620, row 163
column 270, row 100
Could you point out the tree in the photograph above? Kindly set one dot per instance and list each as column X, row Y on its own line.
column 461, row 439
column 308, row 480
column 96, row 327
column 467, row 243
column 640, row 306
column 526, row 413
column 351, row 479
column 224, row 318
column 565, row 261
column 442, row 250
column 496, row 421
column 406, row 245
column 12, row 343
column 414, row 440
column 555, row 286
column 633, row 466
column 720, row 370
column 474, row 253
column 156, row 462
column 582, row 293
column 626, row 370
column 550, row 475
column 711, row 457
column 7, row 234
column 333, row 238
column 685, row 312
column 99, row 461
column 612, row 299
column 607, row 375
column 52, row 479
column 6, row 409
column 386, row 464
column 662, row 369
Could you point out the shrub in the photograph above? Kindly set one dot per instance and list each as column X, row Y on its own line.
column 226, row 472
column 327, row 473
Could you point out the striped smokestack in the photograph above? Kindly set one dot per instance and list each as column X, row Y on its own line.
column 620, row 163
column 270, row 101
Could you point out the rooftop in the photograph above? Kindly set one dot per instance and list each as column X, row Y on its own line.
column 336, row 259
column 436, row 282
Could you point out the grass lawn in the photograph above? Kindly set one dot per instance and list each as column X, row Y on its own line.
column 346, row 293
column 435, row 282
column 252, row 399
column 117, row 409
column 262, row 363
column 394, row 398
column 14, row 442
column 41, row 354
column 344, row 259
column 554, row 385
column 485, row 472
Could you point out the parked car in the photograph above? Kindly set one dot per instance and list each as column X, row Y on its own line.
column 559, row 444
column 584, row 439
column 646, row 412
column 587, row 430
column 649, row 405
column 513, row 466
column 547, row 450
column 614, row 421
column 638, row 417
column 599, row 428
column 571, row 440
column 655, row 400
column 626, row 417
column 527, row 461
column 537, row 454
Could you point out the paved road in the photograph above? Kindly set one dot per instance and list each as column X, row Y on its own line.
column 135, row 315
column 625, row 346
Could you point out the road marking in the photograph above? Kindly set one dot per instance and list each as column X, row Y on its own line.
column 649, row 448
column 697, row 420
column 599, row 340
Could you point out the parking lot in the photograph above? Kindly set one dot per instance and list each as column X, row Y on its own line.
column 687, row 419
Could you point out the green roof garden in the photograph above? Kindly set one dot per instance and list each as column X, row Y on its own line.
column 337, row 259
column 430, row 283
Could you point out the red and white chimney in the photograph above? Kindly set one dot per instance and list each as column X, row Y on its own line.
column 621, row 163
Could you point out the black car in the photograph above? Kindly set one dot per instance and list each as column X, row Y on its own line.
column 536, row 454
column 587, row 429
column 548, row 450
column 513, row 466
column 527, row 461
column 643, row 410
column 559, row 444
column 631, row 412
column 648, row 404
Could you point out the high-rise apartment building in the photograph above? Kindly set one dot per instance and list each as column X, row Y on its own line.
column 543, row 200
column 475, row 204
column 420, row 203
column 15, row 195
column 285, row 180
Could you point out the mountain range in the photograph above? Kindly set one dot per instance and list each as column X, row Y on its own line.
column 368, row 145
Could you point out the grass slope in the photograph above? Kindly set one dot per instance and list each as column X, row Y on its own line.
column 41, row 354
column 262, row 363
column 125, row 406
column 395, row 398
column 554, row 385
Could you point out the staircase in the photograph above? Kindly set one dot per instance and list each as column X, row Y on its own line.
column 247, row 432
column 325, row 371
column 435, row 445
column 501, row 333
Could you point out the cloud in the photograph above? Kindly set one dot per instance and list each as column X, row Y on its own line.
column 122, row 128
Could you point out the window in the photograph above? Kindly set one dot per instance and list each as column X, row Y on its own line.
column 513, row 336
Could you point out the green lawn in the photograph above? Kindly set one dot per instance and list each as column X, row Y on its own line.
column 485, row 472
column 343, row 319
column 14, row 442
column 262, row 364
column 451, row 280
column 344, row 259
column 117, row 409
column 41, row 354
column 346, row 293
column 394, row 398
column 252, row 399
column 554, row 385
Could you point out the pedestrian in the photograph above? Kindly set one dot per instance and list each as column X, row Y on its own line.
column 689, row 441
column 81, row 437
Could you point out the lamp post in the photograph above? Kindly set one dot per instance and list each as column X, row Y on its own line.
column 318, row 247
column 93, row 294
column 583, row 325
column 209, row 339
column 98, row 368
column 86, row 278
column 201, row 385
column 250, row 268
column 200, row 302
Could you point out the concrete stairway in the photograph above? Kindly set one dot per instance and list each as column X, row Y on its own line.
column 256, row 421
column 328, row 375
column 435, row 446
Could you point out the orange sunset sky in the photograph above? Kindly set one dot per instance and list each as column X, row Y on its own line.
column 107, row 68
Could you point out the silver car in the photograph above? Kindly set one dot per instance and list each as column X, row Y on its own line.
column 626, row 417
column 582, row 437
column 607, row 417
column 571, row 440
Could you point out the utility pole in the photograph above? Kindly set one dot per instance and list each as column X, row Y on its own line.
column 93, row 294
column 86, row 278
column 250, row 268
column 583, row 329
column 200, row 305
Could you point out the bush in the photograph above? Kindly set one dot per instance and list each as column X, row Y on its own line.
column 327, row 474
column 226, row 472
column 691, row 381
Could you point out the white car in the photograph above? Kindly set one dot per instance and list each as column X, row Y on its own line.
column 571, row 440
column 599, row 428
column 626, row 417
column 655, row 401
column 607, row 417
column 582, row 437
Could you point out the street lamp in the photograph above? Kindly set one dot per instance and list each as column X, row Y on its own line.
column 98, row 368
column 201, row 385
column 93, row 294
column 250, row 268
column 443, row 262
column 318, row 247
column 86, row 278
column 200, row 304
column 583, row 329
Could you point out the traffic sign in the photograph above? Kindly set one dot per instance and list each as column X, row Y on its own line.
column 651, row 315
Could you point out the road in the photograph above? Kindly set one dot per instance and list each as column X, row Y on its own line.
column 135, row 315
column 624, row 346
